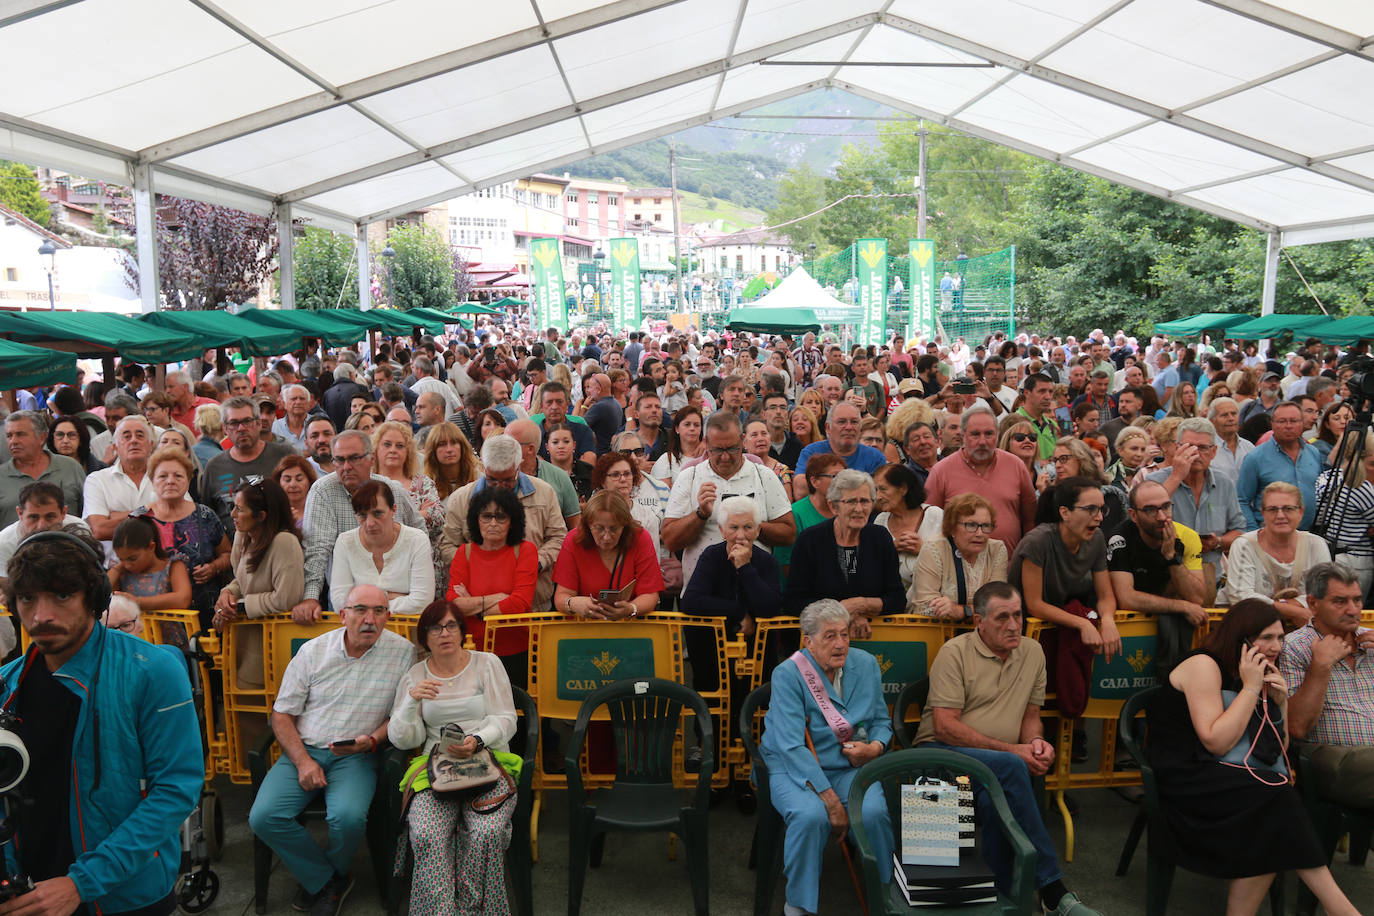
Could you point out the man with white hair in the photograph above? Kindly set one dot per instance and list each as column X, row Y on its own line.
column 1231, row 448
column 291, row 428
column 544, row 524
column 338, row 399
column 178, row 385
column 427, row 380
column 111, row 494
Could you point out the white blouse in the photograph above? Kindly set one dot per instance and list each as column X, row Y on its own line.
column 407, row 568
column 478, row 698
column 927, row 531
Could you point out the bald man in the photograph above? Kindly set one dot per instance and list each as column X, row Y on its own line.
column 527, row 433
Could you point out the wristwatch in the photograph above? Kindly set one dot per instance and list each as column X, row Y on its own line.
column 480, row 743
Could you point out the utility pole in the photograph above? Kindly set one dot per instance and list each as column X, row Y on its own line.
column 677, row 236
column 921, row 185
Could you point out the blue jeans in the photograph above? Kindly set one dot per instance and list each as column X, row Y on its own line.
column 1014, row 777
column 351, row 781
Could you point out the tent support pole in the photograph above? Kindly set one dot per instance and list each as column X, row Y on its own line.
column 364, row 268
column 107, row 371
column 1271, row 277
column 157, row 379
column 10, row 400
column 145, row 236
column 286, row 257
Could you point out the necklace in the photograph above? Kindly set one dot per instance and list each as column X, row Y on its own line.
column 450, row 678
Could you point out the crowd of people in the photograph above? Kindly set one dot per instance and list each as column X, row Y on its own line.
column 607, row 475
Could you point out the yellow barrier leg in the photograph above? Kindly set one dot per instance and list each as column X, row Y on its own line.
column 672, row 847
column 534, row 825
column 1068, row 825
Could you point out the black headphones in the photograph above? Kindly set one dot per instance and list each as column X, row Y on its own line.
column 100, row 600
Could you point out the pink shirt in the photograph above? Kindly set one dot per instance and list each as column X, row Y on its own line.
column 1006, row 484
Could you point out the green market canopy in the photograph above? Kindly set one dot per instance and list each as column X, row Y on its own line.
column 215, row 328
column 1201, row 324
column 100, row 334
column 330, row 326
column 22, row 366
column 762, row 320
column 1345, row 330
column 1274, row 325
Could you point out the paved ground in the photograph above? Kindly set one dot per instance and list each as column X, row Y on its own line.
column 638, row 878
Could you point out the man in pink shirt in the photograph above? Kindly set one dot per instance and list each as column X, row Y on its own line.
column 980, row 467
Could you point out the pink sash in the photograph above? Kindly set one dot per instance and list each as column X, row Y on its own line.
column 814, row 680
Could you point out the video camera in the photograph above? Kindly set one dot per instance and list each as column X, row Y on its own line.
column 14, row 765
column 1361, row 384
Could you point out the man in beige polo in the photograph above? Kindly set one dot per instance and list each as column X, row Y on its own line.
column 986, row 690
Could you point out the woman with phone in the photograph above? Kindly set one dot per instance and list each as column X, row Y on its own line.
column 1218, row 745
column 608, row 568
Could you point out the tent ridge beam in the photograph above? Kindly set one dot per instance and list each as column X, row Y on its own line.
column 1041, row 153
column 1243, row 176
column 262, row 44
column 1131, row 103
column 729, row 52
column 17, row 11
column 520, row 40
column 575, row 109
column 611, row 146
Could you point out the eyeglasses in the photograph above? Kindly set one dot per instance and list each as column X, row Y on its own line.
column 350, row 459
column 619, row 475
column 636, row 452
column 1062, row 459
column 1093, row 511
column 1286, row 510
column 492, row 518
column 1162, row 509
column 447, row 629
column 722, row 452
column 975, row 527
column 602, row 531
column 856, row 501
column 1021, row 437
column 377, row 610
column 238, row 424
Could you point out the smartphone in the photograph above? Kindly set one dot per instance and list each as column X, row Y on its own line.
column 964, row 386
column 346, row 742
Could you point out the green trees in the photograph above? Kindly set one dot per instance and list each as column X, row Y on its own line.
column 325, row 273
column 422, row 273
column 19, row 192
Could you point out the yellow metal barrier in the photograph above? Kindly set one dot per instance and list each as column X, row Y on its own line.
column 1109, row 686
column 177, row 628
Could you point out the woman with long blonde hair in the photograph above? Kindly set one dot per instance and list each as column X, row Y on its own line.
column 449, row 459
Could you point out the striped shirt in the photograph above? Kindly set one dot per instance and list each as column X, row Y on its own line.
column 1347, row 716
column 335, row 696
column 1350, row 515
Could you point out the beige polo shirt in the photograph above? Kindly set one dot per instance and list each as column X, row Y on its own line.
column 992, row 694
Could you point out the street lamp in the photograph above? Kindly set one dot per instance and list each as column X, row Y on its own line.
column 49, row 250
column 390, row 254
column 599, row 259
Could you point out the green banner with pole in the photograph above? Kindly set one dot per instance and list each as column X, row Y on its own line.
column 872, row 291
column 921, row 285
column 550, row 307
column 625, row 290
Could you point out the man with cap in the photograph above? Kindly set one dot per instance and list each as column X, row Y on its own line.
column 1269, row 398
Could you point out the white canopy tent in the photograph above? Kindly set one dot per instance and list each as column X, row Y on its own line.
column 799, row 290
column 346, row 112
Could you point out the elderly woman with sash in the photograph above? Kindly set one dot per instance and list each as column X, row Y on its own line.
column 826, row 719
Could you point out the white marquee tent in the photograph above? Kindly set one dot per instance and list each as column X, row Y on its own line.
column 346, row 112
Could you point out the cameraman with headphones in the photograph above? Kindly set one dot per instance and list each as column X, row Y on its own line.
column 113, row 741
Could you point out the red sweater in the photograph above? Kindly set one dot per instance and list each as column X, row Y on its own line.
column 490, row 572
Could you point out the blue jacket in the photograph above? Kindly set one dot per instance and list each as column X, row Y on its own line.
column 1268, row 463
column 126, row 833
column 792, row 710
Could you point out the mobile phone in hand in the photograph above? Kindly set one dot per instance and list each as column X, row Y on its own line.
column 344, row 742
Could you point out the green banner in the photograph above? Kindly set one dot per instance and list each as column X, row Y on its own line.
column 901, row 663
column 586, row 664
column 550, row 308
column 625, row 296
column 1130, row 670
column 872, row 291
column 922, row 288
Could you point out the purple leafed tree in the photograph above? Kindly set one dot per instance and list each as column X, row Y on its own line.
column 462, row 279
column 208, row 256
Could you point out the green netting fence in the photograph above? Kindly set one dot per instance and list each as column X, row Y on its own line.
column 974, row 297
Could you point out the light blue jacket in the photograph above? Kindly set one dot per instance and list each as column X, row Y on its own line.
column 126, row 832
column 792, row 710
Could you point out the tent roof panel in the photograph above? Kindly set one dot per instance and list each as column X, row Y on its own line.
column 1174, row 158
column 216, row 328
column 22, row 366
column 1035, row 26
column 1047, row 115
column 355, row 110
column 1284, row 197
column 363, row 37
column 475, row 98
column 667, row 40
column 1173, row 52
column 299, row 152
column 1315, row 111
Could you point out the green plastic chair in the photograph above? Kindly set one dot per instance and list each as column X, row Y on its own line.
column 646, row 714
column 913, row 694
column 766, row 855
column 900, row 768
column 519, row 865
column 1159, row 868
